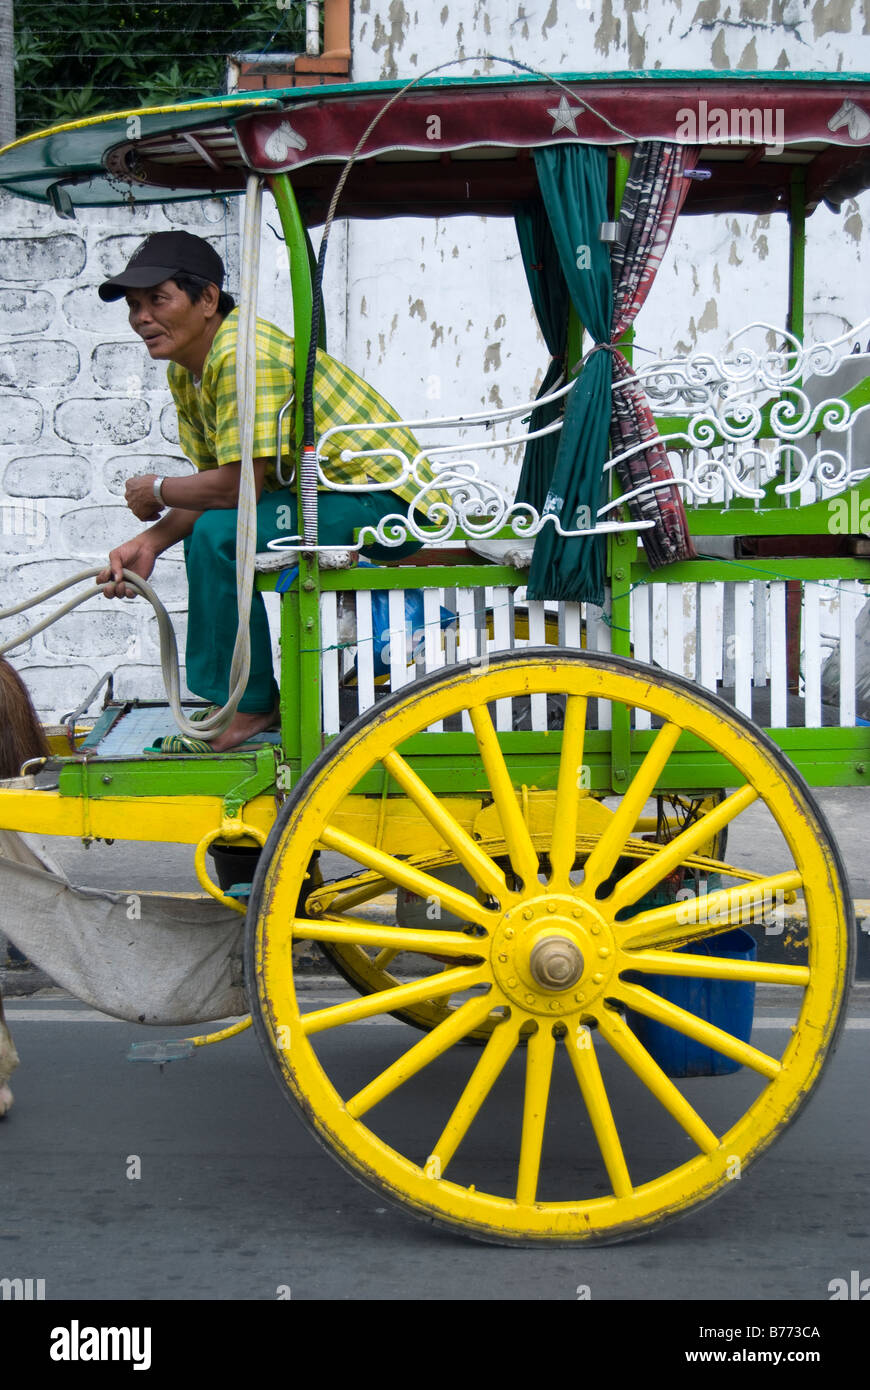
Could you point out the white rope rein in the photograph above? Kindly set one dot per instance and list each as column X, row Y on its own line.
column 168, row 644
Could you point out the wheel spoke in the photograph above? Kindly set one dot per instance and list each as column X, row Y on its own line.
column 691, row 919
column 496, row 1053
column 482, row 869
column 385, row 957
column 350, row 896
column 389, row 1000
column 462, row 1021
column 718, row 968
column 406, row 876
column 564, row 845
column 357, row 933
column 671, row 855
column 645, row 1002
column 601, row 861
column 521, row 851
column 540, row 1050
column 591, row 1082
column 632, row 1051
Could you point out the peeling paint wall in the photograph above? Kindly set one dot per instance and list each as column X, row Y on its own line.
column 396, row 39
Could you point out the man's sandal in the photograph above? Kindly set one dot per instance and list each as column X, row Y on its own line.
column 205, row 712
column 180, row 743
column 185, row 743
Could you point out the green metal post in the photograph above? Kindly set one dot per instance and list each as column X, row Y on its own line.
column 300, row 282
column 300, row 718
column 621, row 166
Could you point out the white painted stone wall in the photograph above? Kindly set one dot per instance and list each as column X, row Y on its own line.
column 435, row 314
column 82, row 408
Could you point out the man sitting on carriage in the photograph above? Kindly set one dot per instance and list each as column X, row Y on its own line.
column 174, row 289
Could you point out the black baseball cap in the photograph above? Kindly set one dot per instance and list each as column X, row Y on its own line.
column 160, row 257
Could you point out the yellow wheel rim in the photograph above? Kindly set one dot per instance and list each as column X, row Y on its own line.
column 564, row 956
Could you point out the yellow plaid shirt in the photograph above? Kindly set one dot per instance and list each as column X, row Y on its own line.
column 208, row 420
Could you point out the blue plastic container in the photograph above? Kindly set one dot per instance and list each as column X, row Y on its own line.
column 415, row 625
column 727, row 1004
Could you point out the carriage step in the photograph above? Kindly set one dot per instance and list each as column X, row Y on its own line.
column 170, row 1050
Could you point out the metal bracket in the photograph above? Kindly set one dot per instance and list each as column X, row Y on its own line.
column 60, row 199
column 266, row 776
column 613, row 232
column 70, row 719
column 279, row 472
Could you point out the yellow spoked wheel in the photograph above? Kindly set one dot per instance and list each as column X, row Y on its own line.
column 581, row 1135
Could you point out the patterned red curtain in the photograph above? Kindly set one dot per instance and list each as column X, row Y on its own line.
column 654, row 195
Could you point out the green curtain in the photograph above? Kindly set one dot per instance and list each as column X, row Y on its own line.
column 573, row 183
column 550, row 299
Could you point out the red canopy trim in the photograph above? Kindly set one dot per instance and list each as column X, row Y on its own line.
column 772, row 115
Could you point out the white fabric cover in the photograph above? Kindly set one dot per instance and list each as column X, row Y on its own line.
column 145, row 958
column 831, row 668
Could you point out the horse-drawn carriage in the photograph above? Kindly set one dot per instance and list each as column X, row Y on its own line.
column 508, row 763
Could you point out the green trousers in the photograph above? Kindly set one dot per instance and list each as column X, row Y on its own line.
column 210, row 557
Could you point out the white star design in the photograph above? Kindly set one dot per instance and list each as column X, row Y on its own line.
column 564, row 118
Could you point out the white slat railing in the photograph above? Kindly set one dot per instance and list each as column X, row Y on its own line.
column 729, row 638
column 484, row 622
column 732, row 639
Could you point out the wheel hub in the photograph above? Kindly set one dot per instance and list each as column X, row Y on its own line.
column 556, row 962
column 553, row 955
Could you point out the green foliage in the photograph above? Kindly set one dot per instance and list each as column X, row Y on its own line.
column 78, row 59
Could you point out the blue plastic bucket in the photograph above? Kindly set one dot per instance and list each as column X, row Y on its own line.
column 727, row 1004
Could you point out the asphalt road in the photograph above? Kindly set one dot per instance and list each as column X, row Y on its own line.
column 236, row 1200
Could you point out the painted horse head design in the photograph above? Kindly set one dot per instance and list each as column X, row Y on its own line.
column 282, row 140
column 854, row 117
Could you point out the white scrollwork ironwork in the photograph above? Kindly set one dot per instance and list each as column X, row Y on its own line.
column 748, row 413
column 707, row 477
column 702, row 382
column 450, row 494
column 459, row 499
column 791, row 417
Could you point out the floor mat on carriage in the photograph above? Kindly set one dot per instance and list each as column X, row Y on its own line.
column 124, row 731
